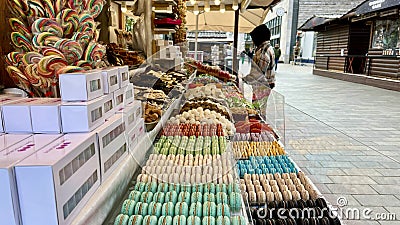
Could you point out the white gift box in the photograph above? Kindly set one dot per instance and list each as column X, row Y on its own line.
column 131, row 113
column 81, row 86
column 135, row 135
column 5, row 99
column 9, row 204
column 123, row 76
column 57, row 181
column 82, row 116
column 8, row 140
column 119, row 98
column 128, row 94
column 110, row 79
column 109, row 106
column 112, row 144
column 46, row 117
column 17, row 115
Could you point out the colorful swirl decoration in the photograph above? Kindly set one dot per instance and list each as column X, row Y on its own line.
column 19, row 26
column 94, row 52
column 18, row 8
column 13, row 58
column 48, row 51
column 33, row 77
column 69, row 20
column 44, row 39
column 86, row 23
column 71, row 49
column 36, row 8
column 59, row 5
column 94, row 7
column 49, row 8
column 47, row 25
column 83, row 38
column 49, row 65
column 69, row 69
column 77, row 5
column 31, row 58
column 84, row 64
column 18, row 77
column 21, row 41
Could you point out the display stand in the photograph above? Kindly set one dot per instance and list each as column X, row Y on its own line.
column 103, row 200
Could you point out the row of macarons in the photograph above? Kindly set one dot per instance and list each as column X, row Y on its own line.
column 130, row 207
column 211, row 188
column 178, row 220
column 174, row 145
column 224, row 159
column 189, row 179
column 196, row 197
column 244, row 150
column 266, row 165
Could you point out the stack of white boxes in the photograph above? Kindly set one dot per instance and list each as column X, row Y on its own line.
column 166, row 50
column 47, row 177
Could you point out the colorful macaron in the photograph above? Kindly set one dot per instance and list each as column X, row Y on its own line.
column 209, row 209
column 209, row 188
column 146, row 197
column 135, row 195
column 196, row 209
column 139, row 186
column 151, row 187
column 223, row 220
column 165, row 220
column 150, row 220
column 221, row 197
column 193, row 220
column 163, row 187
column 128, row 207
column 182, row 208
column 223, row 210
column 208, row 197
column 208, row 220
column 135, row 220
column 235, row 201
column 196, row 197
column 171, row 196
column 154, row 209
column 141, row 208
column 168, row 209
column 159, row 197
column 184, row 197
column 179, row 220
column 121, row 219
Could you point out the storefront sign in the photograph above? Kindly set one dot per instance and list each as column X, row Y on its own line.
column 391, row 52
column 376, row 5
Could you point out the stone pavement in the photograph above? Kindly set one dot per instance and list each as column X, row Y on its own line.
column 346, row 137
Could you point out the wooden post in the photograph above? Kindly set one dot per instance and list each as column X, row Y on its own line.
column 235, row 65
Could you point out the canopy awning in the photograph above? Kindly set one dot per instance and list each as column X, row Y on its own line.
column 316, row 21
column 375, row 5
column 217, row 21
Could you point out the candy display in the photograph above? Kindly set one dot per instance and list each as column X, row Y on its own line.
column 245, row 149
column 193, row 130
column 209, row 90
column 51, row 38
column 266, row 165
column 213, row 71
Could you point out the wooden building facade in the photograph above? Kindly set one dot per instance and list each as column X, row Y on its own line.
column 365, row 41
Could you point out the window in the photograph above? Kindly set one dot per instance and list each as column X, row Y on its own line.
column 386, row 34
column 275, row 27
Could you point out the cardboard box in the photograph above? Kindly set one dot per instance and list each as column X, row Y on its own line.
column 123, row 76
column 135, row 135
column 112, row 144
column 128, row 94
column 81, row 86
column 17, row 115
column 46, row 117
column 110, row 79
column 131, row 114
column 8, row 140
column 57, row 181
column 82, row 116
column 109, row 106
column 9, row 205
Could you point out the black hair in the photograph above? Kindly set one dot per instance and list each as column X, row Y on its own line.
column 260, row 34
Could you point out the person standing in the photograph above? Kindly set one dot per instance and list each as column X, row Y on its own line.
column 278, row 53
column 262, row 68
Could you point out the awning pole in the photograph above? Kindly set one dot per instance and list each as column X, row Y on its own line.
column 197, row 35
column 235, row 66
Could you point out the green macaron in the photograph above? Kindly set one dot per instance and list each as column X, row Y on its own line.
column 128, row 207
column 121, row 219
column 196, row 209
column 151, row 187
column 141, row 208
column 154, row 209
column 196, row 197
column 150, row 220
column 221, row 197
column 238, row 220
column 139, row 186
column 198, row 188
column 163, row 187
column 208, row 197
column 209, row 188
column 146, row 197
column 182, row 208
column 159, row 197
column 223, row 220
column 165, row 220
column 184, row 197
column 179, row 220
column 171, row 196
column 135, row 220
column 193, row 220
column 209, row 209
column 223, row 210
column 135, row 195
column 168, row 209
column 208, row 220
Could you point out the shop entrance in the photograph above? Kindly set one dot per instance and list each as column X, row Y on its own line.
column 359, row 41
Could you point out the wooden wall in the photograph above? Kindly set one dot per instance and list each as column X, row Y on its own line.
column 331, row 41
column 5, row 46
column 383, row 67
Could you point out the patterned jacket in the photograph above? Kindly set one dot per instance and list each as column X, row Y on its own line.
column 262, row 68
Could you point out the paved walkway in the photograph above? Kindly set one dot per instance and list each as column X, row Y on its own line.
column 346, row 137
